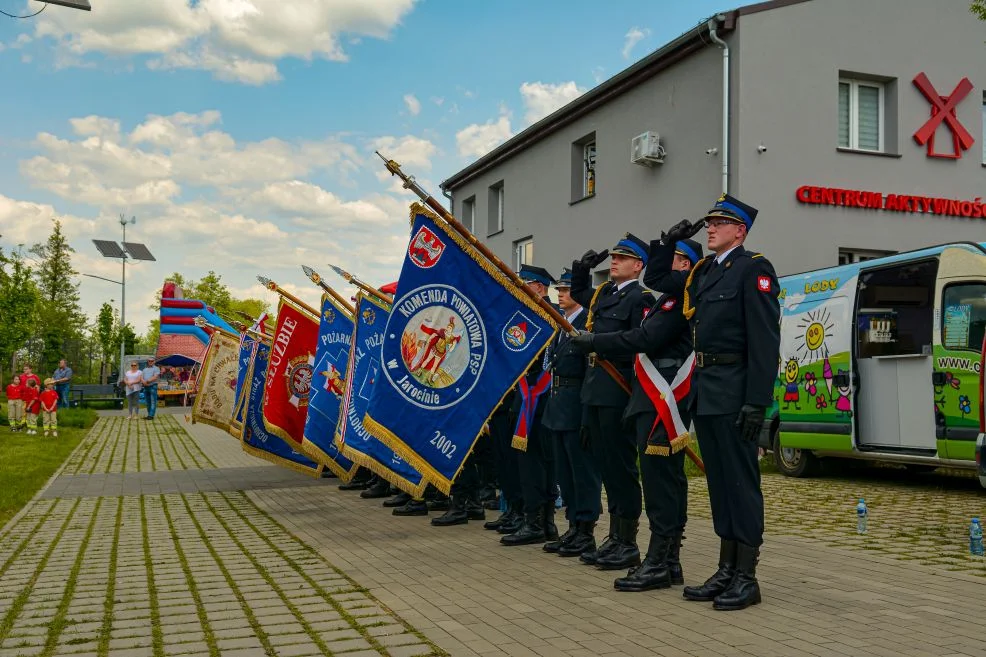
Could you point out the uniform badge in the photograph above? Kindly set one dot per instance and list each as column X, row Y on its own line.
column 436, row 348
column 669, row 304
column 298, row 375
column 425, row 249
column 763, row 283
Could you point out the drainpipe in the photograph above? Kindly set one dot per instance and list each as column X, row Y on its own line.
column 713, row 25
column 446, row 194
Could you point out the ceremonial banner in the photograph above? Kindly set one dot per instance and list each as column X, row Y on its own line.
column 241, row 392
column 256, row 440
column 362, row 374
column 289, row 373
column 214, row 398
column 459, row 337
column 335, row 332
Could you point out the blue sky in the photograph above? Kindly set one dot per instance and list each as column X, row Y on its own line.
column 241, row 132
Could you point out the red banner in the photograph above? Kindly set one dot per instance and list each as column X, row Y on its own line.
column 289, row 373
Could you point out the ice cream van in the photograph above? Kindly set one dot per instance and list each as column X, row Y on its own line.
column 883, row 360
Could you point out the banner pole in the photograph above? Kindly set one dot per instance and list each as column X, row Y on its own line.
column 274, row 287
column 317, row 279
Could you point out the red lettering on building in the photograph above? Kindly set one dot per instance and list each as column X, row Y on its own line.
column 851, row 198
column 943, row 111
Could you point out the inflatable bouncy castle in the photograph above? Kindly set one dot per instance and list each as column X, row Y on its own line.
column 181, row 341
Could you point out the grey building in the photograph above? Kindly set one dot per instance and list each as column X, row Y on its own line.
column 855, row 127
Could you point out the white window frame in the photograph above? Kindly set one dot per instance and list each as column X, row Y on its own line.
column 862, row 255
column 497, row 208
column 586, row 159
column 519, row 248
column 469, row 213
column 854, row 86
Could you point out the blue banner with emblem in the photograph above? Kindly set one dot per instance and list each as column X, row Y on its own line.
column 255, row 439
column 335, row 332
column 239, row 392
column 363, row 375
column 459, row 337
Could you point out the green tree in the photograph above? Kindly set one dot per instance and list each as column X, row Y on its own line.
column 211, row 290
column 18, row 305
column 105, row 334
column 60, row 317
column 978, row 7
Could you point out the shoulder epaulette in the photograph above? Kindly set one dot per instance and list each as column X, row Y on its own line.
column 756, row 255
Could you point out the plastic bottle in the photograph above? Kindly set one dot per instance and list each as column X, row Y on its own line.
column 975, row 538
column 862, row 513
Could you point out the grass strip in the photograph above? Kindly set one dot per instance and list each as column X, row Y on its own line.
column 159, row 443
column 105, row 438
column 247, row 611
column 210, row 638
column 150, row 447
column 109, row 461
column 93, row 437
column 187, row 438
column 181, row 461
column 7, row 623
column 27, row 539
column 436, row 651
column 157, row 636
column 57, row 624
column 103, row 647
column 126, row 451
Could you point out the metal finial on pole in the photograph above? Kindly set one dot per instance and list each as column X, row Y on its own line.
column 366, row 287
column 317, row 279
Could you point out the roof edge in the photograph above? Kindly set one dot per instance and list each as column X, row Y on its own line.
column 662, row 58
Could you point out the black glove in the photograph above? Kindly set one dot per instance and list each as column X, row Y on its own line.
column 582, row 341
column 750, row 422
column 591, row 259
column 681, row 230
column 584, row 441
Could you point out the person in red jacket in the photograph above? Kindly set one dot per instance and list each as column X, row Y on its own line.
column 15, row 404
column 28, row 375
column 49, row 408
column 30, row 394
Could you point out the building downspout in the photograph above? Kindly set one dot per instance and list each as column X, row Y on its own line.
column 713, row 25
column 448, row 195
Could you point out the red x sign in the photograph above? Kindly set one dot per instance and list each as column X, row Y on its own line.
column 943, row 110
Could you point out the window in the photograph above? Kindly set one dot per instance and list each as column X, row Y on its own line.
column 861, row 115
column 984, row 127
column 584, row 167
column 589, row 169
column 851, row 256
column 964, row 316
column 468, row 217
column 495, row 214
column 523, row 253
column 896, row 314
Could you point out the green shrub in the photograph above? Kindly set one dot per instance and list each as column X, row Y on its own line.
column 81, row 418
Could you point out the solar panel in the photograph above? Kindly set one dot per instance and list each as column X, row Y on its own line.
column 109, row 249
column 137, row 251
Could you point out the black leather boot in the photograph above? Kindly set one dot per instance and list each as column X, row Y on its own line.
column 378, row 490
column 397, row 500
column 674, row 558
column 456, row 514
column 744, row 590
column 607, row 545
column 498, row 522
column 512, row 523
column 361, row 481
column 475, row 510
column 722, row 578
column 531, row 531
column 582, row 542
column 653, row 572
column 626, row 553
column 439, row 503
column 554, row 546
column 412, row 508
column 548, row 517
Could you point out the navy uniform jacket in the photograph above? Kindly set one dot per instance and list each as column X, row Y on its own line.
column 663, row 336
column 532, row 375
column 563, row 407
column 613, row 311
column 737, row 315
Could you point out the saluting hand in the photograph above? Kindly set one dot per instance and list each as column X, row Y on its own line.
column 750, row 422
column 591, row 259
column 681, row 230
column 582, row 341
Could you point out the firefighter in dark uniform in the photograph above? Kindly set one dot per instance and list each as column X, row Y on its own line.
column 578, row 476
column 731, row 301
column 663, row 338
column 534, row 444
column 617, row 305
column 501, row 426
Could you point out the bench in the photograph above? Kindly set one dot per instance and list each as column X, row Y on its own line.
column 82, row 394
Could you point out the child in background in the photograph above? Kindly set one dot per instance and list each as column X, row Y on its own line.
column 32, row 405
column 15, row 404
column 49, row 408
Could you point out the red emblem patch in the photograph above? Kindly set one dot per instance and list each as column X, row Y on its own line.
column 425, row 249
column 669, row 304
column 763, row 283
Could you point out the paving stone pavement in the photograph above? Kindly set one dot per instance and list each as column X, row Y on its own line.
column 93, row 570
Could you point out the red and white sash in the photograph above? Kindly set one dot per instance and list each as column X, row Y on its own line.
column 659, row 391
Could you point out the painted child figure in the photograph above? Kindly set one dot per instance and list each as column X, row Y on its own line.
column 30, row 394
column 15, row 404
column 49, row 408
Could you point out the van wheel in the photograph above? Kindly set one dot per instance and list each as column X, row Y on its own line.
column 794, row 462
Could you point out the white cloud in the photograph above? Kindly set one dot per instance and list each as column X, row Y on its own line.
column 408, row 151
column 236, row 40
column 632, row 38
column 413, row 104
column 541, row 99
column 477, row 139
column 438, row 100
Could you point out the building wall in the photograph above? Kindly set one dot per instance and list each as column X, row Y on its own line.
column 682, row 103
column 787, row 94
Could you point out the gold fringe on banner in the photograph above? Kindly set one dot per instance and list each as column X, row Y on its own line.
column 678, row 444
column 519, row 442
column 315, row 453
